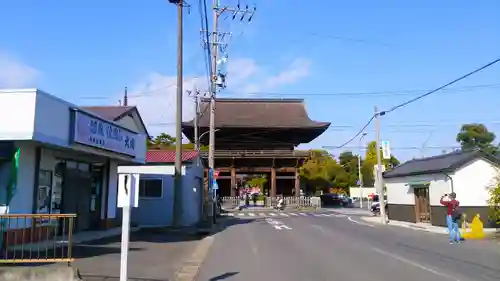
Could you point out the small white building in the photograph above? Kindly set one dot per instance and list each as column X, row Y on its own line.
column 156, row 189
column 414, row 188
column 68, row 156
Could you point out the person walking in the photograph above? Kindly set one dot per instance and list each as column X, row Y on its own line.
column 453, row 216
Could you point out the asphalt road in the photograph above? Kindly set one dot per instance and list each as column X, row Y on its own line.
column 342, row 248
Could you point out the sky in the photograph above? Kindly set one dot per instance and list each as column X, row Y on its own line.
column 342, row 57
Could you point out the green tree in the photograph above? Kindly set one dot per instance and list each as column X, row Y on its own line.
column 164, row 139
column 258, row 181
column 349, row 163
column 494, row 201
column 476, row 135
column 322, row 172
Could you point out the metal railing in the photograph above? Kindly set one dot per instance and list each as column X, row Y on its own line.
column 269, row 202
column 36, row 238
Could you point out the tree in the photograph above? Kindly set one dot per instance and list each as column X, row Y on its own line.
column 258, row 181
column 164, row 139
column 349, row 163
column 476, row 135
column 367, row 166
column 494, row 201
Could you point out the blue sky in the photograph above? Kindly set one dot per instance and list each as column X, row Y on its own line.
column 327, row 53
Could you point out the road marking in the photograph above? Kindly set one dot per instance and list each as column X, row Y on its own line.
column 339, row 215
column 231, row 214
column 318, row 215
column 241, row 214
column 302, row 214
column 360, row 223
column 272, row 214
column 283, row 215
column 415, row 264
column 281, row 226
column 251, row 214
column 262, row 214
column 293, row 214
column 277, row 224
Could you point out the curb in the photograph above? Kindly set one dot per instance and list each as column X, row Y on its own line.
column 191, row 266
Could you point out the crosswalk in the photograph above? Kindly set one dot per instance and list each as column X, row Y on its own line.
column 281, row 214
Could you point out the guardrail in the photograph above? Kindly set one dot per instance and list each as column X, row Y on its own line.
column 269, row 202
column 36, row 238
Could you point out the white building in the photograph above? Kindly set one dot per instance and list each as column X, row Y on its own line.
column 414, row 188
column 68, row 155
column 156, row 189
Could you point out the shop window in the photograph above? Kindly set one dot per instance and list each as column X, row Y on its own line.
column 44, row 192
column 150, row 188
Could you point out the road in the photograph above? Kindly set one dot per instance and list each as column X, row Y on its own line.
column 298, row 248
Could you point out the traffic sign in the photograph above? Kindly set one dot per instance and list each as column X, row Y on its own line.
column 216, row 174
column 386, row 150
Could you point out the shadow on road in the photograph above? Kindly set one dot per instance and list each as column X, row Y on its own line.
column 223, row 276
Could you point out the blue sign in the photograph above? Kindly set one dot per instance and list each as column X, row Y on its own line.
column 101, row 134
column 215, row 186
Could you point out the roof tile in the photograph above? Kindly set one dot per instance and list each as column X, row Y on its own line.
column 109, row 112
column 168, row 156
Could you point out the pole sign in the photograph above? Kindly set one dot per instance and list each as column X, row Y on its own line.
column 386, row 150
column 128, row 190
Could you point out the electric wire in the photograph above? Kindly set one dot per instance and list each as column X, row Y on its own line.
column 381, row 113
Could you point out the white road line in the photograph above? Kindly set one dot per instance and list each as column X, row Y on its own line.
column 339, row 215
column 251, row 214
column 327, row 215
column 318, row 215
column 272, row 214
column 303, row 214
column 241, row 214
column 262, row 214
column 415, row 264
column 231, row 214
column 293, row 214
column 360, row 223
column 283, row 215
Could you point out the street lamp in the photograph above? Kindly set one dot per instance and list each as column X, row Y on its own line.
column 360, row 176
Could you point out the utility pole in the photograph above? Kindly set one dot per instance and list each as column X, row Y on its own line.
column 195, row 94
column 217, row 38
column 379, row 179
column 178, row 121
column 360, row 175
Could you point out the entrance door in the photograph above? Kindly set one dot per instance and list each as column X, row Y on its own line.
column 76, row 197
column 422, row 204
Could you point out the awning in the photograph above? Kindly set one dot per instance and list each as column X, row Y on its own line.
column 420, row 183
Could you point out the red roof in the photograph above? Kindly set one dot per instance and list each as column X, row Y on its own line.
column 168, row 156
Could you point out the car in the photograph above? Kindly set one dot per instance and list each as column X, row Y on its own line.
column 346, row 201
column 331, row 200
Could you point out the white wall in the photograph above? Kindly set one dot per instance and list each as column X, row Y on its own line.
column 52, row 125
column 355, row 192
column 472, row 181
column 400, row 192
column 17, row 112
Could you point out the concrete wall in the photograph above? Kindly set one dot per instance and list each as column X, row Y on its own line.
column 159, row 211
column 355, row 192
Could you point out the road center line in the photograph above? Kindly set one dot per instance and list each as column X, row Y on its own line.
column 415, row 264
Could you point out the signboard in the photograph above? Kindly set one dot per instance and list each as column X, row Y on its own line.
column 101, row 134
column 128, row 190
column 216, row 174
column 386, row 150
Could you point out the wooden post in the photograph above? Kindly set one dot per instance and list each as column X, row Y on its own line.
column 297, row 183
column 273, row 182
column 233, row 182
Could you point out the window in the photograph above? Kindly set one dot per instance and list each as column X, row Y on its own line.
column 150, row 188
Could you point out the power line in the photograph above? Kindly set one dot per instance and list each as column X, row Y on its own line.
column 382, row 113
column 444, row 86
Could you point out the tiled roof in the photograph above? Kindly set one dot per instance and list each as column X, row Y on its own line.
column 168, row 156
column 115, row 113
column 112, row 113
column 258, row 113
column 438, row 164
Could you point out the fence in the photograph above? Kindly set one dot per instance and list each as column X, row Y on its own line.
column 36, row 238
column 270, row 202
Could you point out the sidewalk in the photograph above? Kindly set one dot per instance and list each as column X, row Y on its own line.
column 417, row 226
column 154, row 254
